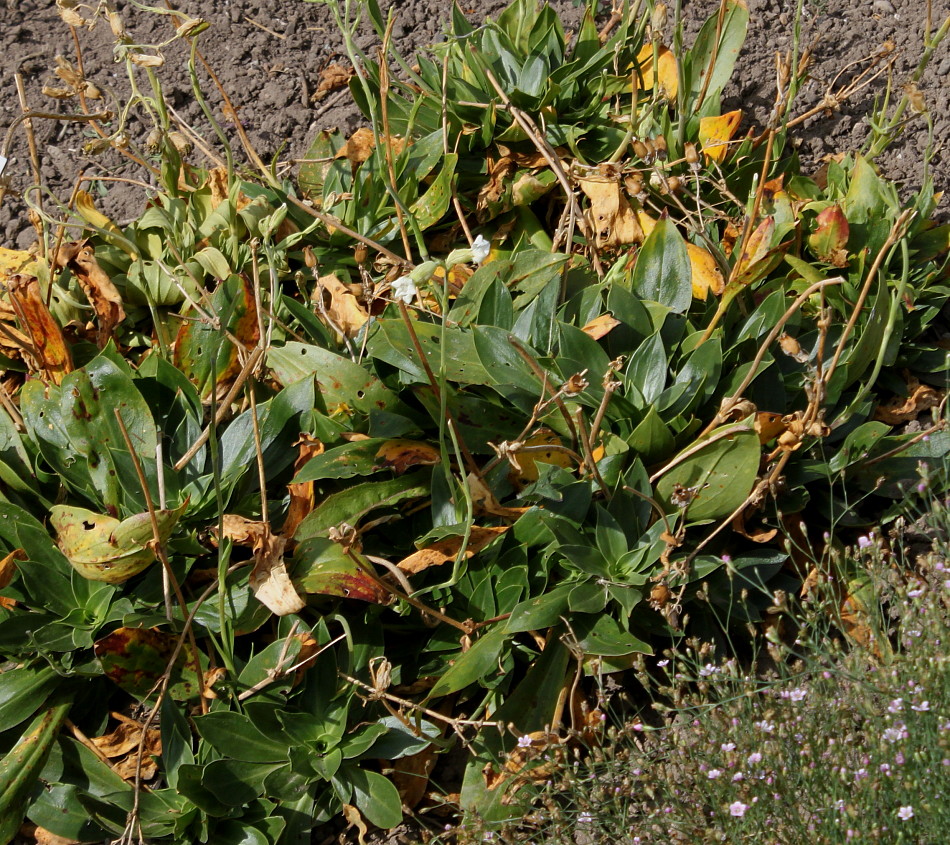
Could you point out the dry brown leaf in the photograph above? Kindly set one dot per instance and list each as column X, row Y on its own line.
column 42, row 836
column 920, row 398
column 121, row 741
column 212, row 678
column 242, row 531
column 615, row 222
column 486, row 503
column 8, row 566
column 355, row 819
column 332, row 77
column 269, row 579
column 494, row 189
column 343, row 309
column 411, row 776
column 124, row 742
column 401, row 455
column 757, row 534
column 126, row 768
column 600, row 326
column 218, row 182
column 302, row 496
column 96, row 284
column 445, row 550
column 47, row 352
column 358, row 147
column 309, row 647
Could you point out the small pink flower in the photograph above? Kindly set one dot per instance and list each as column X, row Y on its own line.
column 737, row 809
column 755, row 757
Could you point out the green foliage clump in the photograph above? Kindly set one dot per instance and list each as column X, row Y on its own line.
column 338, row 492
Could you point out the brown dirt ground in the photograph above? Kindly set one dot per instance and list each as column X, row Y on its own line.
column 269, row 54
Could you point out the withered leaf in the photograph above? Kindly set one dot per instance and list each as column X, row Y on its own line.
column 333, row 76
column 48, row 353
column 342, row 308
column 615, row 222
column 447, row 549
column 600, row 326
column 96, row 284
column 269, row 579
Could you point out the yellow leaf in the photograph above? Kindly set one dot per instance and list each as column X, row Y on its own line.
column 715, row 133
column 665, row 70
column 344, row 310
column 445, row 550
column 756, row 248
column 13, row 261
column 528, row 460
column 400, row 455
column 86, row 208
column 600, row 326
column 706, row 275
column 615, row 222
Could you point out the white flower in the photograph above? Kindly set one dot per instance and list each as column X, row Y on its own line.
column 480, row 249
column 923, row 707
column 524, row 741
column 405, row 289
column 905, row 813
column 585, row 818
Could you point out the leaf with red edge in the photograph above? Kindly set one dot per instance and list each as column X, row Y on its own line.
column 322, row 567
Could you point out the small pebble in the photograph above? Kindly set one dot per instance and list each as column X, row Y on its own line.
column 883, row 7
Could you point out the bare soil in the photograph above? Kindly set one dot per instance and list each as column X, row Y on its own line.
column 268, row 55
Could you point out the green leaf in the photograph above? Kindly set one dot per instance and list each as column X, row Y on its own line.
column 375, row 796
column 352, row 504
column 721, row 474
column 602, row 635
column 391, row 343
column 431, row 207
column 75, row 427
column 22, row 693
column 236, row 783
column 233, row 735
column 539, row 612
column 339, row 381
column 722, row 52
column 472, row 665
column 21, row 767
column 203, row 350
column 662, row 272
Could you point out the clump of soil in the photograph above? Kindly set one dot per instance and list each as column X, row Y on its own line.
column 269, row 55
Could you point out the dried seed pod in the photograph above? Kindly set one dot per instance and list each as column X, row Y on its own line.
column 692, row 157
column 659, row 147
column 642, row 150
